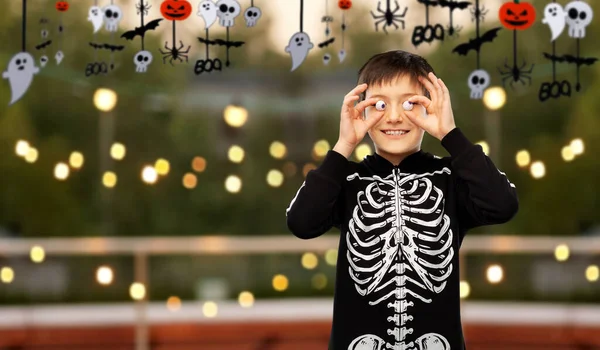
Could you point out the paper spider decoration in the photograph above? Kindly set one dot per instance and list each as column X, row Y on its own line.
column 299, row 44
column 143, row 58
column 175, row 10
column 389, row 17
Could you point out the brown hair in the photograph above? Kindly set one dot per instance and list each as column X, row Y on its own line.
column 385, row 67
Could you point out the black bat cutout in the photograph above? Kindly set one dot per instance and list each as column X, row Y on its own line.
column 429, row 2
column 452, row 5
column 221, row 42
column 141, row 31
column 110, row 47
column 572, row 59
column 475, row 44
column 326, row 43
column 43, row 45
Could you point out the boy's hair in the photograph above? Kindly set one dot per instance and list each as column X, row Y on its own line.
column 385, row 67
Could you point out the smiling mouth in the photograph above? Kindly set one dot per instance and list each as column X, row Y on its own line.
column 516, row 23
column 395, row 132
column 176, row 15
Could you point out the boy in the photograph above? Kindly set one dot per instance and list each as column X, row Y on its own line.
column 402, row 212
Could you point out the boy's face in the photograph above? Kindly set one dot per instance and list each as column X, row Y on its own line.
column 395, row 136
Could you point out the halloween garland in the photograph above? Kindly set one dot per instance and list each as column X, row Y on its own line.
column 328, row 41
column 142, row 59
column 229, row 10
column 208, row 11
column 45, row 42
column 479, row 79
column 21, row 67
column 175, row 10
column 452, row 6
column 61, row 7
column 111, row 15
column 344, row 5
column 516, row 15
column 299, row 44
column 389, row 17
column 427, row 33
column 577, row 15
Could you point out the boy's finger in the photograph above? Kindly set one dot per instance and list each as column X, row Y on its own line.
column 349, row 100
column 421, row 100
column 357, row 90
column 429, row 86
column 420, row 122
column 366, row 103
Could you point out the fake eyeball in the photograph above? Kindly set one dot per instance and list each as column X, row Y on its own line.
column 380, row 105
column 407, row 105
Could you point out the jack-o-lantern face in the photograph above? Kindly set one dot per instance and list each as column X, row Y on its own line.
column 517, row 15
column 345, row 4
column 62, row 6
column 175, row 10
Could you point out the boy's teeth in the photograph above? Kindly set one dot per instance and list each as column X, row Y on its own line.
column 395, row 132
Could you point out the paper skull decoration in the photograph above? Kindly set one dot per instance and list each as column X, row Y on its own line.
column 517, row 16
column 228, row 10
column 478, row 81
column 112, row 17
column 142, row 60
column 62, row 6
column 175, row 10
column 579, row 16
column 345, row 4
column 252, row 15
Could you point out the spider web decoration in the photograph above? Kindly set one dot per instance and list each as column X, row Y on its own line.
column 516, row 15
column 428, row 33
column 174, row 11
column 143, row 58
column 299, row 44
column 389, row 17
column 61, row 7
column 577, row 15
column 328, row 41
column 344, row 5
column 479, row 79
column 109, row 16
column 21, row 67
column 44, row 43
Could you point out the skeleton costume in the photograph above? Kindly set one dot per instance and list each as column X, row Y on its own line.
column 397, row 283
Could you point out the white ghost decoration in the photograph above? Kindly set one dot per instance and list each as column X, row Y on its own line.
column 43, row 61
column 142, row 60
column 95, row 16
column 478, row 81
column 326, row 59
column 579, row 16
column 298, row 48
column 342, row 55
column 59, row 57
column 20, row 72
column 554, row 17
column 112, row 17
column 252, row 15
column 208, row 11
column 228, row 11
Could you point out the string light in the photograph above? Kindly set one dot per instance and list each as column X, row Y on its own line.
column 137, row 291
column 7, row 275
column 235, row 116
column 561, row 252
column 21, row 148
column 189, row 181
column 538, row 170
column 76, row 160
column 523, row 158
column 32, row 155
column 567, row 153
column 277, row 150
column 494, row 274
column 592, row 273
column 236, row 154
column 104, row 275
column 61, row 171
column 162, row 166
column 173, row 303
column 210, row 309
column 321, row 148
column 280, row 283
column 274, row 178
column 109, row 179
column 149, row 175
column 199, row 164
column 37, row 254
column 309, row 261
column 246, row 299
column 233, row 184
column 577, row 146
column 118, row 151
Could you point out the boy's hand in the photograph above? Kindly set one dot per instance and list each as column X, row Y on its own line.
column 439, row 120
column 353, row 126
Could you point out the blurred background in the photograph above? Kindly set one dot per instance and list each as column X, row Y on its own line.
column 147, row 210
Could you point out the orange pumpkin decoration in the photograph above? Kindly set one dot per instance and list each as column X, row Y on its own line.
column 62, row 6
column 345, row 4
column 175, row 10
column 517, row 15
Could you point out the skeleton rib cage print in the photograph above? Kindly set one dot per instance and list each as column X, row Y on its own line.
column 400, row 253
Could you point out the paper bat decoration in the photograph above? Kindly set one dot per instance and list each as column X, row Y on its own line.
column 107, row 47
column 43, row 45
column 141, row 31
column 453, row 5
column 221, row 42
column 475, row 44
column 326, row 43
column 571, row 59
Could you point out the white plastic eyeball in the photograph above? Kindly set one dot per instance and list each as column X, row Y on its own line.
column 407, row 105
column 380, row 105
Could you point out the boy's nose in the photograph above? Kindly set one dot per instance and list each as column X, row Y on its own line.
column 394, row 115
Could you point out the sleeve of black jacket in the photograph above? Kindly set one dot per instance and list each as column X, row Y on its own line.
column 485, row 195
column 314, row 210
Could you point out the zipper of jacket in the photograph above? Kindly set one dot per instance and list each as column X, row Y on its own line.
column 398, row 237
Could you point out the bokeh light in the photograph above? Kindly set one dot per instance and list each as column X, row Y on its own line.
column 277, row 150
column 149, row 175
column 362, row 151
column 236, row 154
column 495, row 274
column 561, row 252
column 162, row 166
column 173, row 303
column 274, row 178
column 233, row 184
column 235, row 116
column 309, row 261
column 109, row 179
column 523, row 158
column 32, row 155
column 7, row 275
column 538, row 170
column 199, row 164
column 280, row 283
column 494, row 97
column 137, row 291
column 246, row 299
column 104, row 275
column 76, row 160
column 61, row 171
column 189, row 181
column 118, row 151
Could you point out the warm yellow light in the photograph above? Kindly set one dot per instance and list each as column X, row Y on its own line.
column 61, row 171
column 109, row 179
column 331, row 256
column 321, row 148
column 567, row 153
column 277, row 150
column 319, row 281
column 561, row 252
column 308, row 167
column 484, row 145
column 280, row 283
column 173, row 304
column 21, row 148
column 494, row 98
column 362, row 151
column 199, row 164
column 246, row 299
column 117, row 151
column 105, row 99
column 76, row 160
column 37, row 254
column 7, row 275
column 538, row 170
column 189, row 181
column 235, row 116
column 137, row 291
column 465, row 289
column 32, row 155
column 523, row 158
column 309, row 261
column 162, row 167
column 236, row 154
column 592, row 273
column 149, row 174
column 494, row 274
column 289, row 169
column 577, row 146
column 274, row 178
column 104, row 275
column 233, row 184
column 210, row 309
